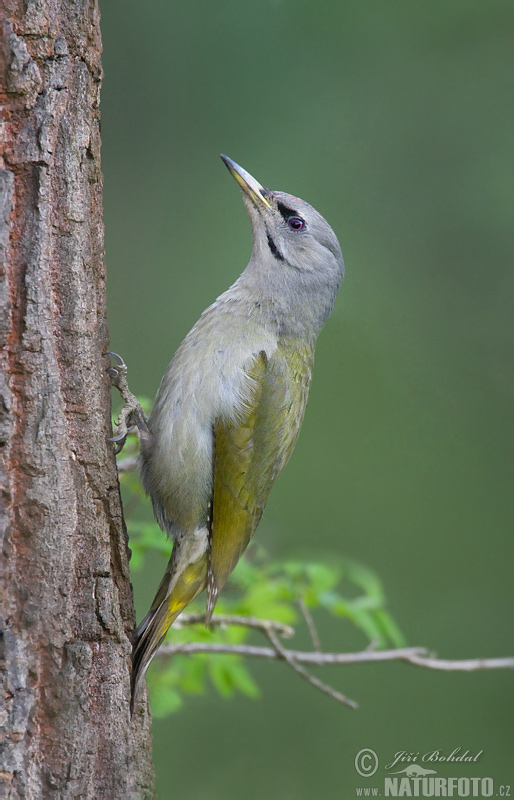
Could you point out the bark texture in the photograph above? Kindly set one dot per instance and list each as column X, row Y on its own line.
column 66, row 599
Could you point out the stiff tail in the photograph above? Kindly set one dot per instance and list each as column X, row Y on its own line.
column 176, row 591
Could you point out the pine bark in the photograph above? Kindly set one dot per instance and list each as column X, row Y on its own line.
column 65, row 596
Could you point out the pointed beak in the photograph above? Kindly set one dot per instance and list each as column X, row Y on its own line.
column 257, row 193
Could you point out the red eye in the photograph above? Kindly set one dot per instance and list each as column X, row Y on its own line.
column 296, row 223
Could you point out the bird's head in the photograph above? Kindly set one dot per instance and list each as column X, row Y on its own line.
column 296, row 255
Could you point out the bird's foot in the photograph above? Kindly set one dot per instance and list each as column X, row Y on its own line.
column 131, row 415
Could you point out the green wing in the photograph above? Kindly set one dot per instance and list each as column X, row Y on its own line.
column 250, row 454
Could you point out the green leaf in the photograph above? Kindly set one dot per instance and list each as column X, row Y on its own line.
column 268, row 600
column 242, row 679
column 229, row 674
column 391, row 630
column 164, row 702
column 144, row 536
column 367, row 623
column 194, row 675
column 221, row 675
column 366, row 579
column 164, row 697
column 323, row 577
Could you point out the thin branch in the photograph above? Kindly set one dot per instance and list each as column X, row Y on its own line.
column 270, row 628
column 316, row 643
column 463, row 665
column 222, row 620
column 418, row 656
column 286, row 656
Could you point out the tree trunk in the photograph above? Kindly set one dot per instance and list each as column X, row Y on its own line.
column 66, row 599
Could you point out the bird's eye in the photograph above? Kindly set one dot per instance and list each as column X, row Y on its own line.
column 296, row 223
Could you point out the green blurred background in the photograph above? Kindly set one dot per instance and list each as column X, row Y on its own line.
column 395, row 120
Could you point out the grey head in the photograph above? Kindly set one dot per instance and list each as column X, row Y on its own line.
column 296, row 264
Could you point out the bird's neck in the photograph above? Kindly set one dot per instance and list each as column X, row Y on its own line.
column 298, row 313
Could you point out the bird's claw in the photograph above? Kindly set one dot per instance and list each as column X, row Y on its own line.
column 121, row 436
column 117, row 358
column 132, row 414
column 120, row 445
column 120, row 439
column 117, row 373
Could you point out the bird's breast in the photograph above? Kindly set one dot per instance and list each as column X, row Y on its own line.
column 208, row 380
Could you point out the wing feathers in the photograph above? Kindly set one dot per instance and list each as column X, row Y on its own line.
column 248, row 456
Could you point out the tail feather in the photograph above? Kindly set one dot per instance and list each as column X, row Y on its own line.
column 147, row 645
column 176, row 591
column 163, row 592
column 212, row 595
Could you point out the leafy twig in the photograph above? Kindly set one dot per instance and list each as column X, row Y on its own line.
column 418, row 656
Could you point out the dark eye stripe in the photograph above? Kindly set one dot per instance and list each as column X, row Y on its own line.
column 286, row 212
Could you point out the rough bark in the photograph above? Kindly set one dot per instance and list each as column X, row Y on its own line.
column 66, row 599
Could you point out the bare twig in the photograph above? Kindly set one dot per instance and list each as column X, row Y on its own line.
column 222, row 620
column 418, row 656
column 311, row 626
column 463, row 665
column 286, row 656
